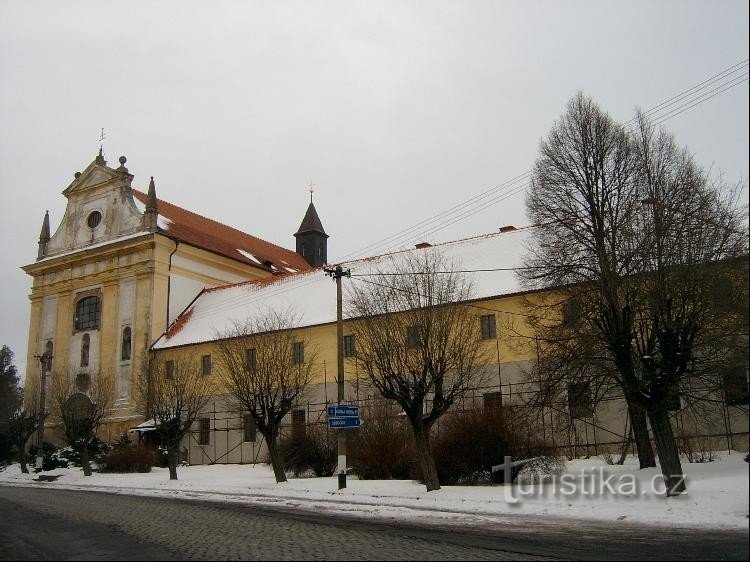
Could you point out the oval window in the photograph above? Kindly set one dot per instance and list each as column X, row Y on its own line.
column 94, row 219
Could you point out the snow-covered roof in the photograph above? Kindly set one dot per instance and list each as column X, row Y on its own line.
column 312, row 294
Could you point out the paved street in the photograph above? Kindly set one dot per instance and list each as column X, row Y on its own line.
column 46, row 524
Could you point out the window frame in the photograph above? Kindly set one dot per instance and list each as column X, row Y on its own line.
column 81, row 306
column 206, row 364
column 350, row 345
column 298, row 352
column 488, row 326
column 204, row 431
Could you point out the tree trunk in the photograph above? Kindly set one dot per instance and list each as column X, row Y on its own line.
column 172, row 461
column 640, row 433
column 669, row 456
column 83, row 450
column 277, row 463
column 22, row 460
column 426, row 460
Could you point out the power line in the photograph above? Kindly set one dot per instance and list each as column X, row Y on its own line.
column 475, row 205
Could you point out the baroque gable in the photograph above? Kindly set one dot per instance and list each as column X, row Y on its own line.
column 100, row 209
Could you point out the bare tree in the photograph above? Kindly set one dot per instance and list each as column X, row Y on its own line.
column 632, row 228
column 417, row 342
column 24, row 422
column 173, row 392
column 81, row 404
column 266, row 367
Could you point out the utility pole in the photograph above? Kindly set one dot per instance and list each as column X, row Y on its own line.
column 337, row 273
column 45, row 359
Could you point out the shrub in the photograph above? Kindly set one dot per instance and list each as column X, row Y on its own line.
column 129, row 458
column 383, row 447
column 541, row 469
column 53, row 457
column 468, row 444
column 315, row 451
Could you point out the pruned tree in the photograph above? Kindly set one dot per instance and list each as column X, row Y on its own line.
column 634, row 238
column 81, row 404
column 266, row 366
column 23, row 423
column 417, row 342
column 173, row 392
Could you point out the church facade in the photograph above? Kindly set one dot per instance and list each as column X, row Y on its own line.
column 118, row 269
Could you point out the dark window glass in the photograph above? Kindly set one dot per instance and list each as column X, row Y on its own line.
column 493, row 399
column 298, row 424
column 251, row 359
column 298, row 352
column 579, row 400
column 204, row 431
column 412, row 337
column 249, row 431
column 94, row 219
column 572, row 314
column 350, row 346
column 169, row 369
column 734, row 380
column 87, row 314
column 489, row 330
column 206, row 364
column 85, row 345
column 126, row 341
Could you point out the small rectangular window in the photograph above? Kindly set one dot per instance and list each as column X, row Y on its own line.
column 298, row 424
column 579, row 400
column 169, row 369
column 249, row 430
column 206, row 364
column 413, row 338
column 204, row 431
column 251, row 359
column 571, row 314
column 489, row 330
column 350, row 346
column 492, row 400
column 298, row 352
column 734, row 381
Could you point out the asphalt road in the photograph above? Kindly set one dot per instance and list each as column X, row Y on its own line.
column 48, row 524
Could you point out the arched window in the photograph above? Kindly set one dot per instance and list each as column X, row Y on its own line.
column 85, row 344
column 87, row 313
column 126, row 338
column 48, row 356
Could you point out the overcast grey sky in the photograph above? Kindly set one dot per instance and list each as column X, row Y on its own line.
column 396, row 110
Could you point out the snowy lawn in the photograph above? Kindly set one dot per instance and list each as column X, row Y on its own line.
column 590, row 489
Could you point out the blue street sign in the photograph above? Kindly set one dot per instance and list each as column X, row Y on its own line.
column 343, row 423
column 343, row 411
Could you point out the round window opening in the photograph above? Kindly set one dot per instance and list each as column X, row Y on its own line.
column 94, row 219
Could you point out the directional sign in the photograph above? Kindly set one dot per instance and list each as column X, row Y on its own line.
column 343, row 411
column 343, row 423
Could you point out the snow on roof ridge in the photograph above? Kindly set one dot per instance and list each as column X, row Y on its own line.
column 440, row 244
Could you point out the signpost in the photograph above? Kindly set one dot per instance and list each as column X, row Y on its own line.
column 343, row 417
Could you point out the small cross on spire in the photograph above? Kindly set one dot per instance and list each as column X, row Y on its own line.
column 311, row 187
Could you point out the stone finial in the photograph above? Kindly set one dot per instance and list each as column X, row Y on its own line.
column 122, row 167
column 43, row 237
column 100, row 158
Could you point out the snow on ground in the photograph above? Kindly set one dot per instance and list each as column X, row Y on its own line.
column 590, row 489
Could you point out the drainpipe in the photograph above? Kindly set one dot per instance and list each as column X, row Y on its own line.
column 169, row 277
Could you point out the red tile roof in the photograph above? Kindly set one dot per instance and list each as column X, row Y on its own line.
column 213, row 236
